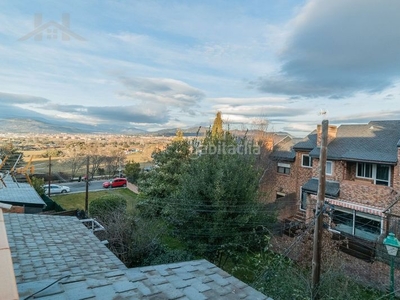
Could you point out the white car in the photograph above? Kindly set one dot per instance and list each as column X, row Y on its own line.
column 56, row 189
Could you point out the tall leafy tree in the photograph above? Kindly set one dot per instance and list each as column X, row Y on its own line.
column 164, row 180
column 216, row 211
column 132, row 171
column 210, row 200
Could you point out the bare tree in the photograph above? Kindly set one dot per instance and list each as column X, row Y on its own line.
column 130, row 238
column 75, row 157
column 265, row 141
column 115, row 161
column 96, row 158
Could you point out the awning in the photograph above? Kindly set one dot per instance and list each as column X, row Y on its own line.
column 363, row 208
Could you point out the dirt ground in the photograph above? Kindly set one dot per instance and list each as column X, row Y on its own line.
column 374, row 274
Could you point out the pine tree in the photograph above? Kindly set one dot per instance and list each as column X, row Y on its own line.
column 217, row 130
column 179, row 136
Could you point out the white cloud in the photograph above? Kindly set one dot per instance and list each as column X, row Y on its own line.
column 164, row 91
column 266, row 111
column 338, row 48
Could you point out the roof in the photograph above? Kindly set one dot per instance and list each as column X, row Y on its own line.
column 20, row 194
column 284, row 149
column 376, row 142
column 308, row 143
column 45, row 246
column 61, row 252
column 196, row 280
column 332, row 188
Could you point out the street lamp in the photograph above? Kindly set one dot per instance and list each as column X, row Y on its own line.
column 392, row 246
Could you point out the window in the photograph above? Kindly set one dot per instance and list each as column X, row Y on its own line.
column 379, row 173
column 364, row 170
column 382, row 175
column 356, row 223
column 303, row 199
column 283, row 168
column 329, row 168
column 306, row 161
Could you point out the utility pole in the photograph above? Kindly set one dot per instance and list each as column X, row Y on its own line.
column 87, row 186
column 316, row 262
column 49, row 176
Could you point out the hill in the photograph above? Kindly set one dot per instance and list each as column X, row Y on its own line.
column 22, row 125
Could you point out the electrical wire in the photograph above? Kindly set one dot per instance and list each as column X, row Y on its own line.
column 46, row 287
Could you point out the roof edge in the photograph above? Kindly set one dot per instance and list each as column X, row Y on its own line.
column 8, row 284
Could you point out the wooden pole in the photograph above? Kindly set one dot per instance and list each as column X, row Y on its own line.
column 316, row 262
column 87, row 186
column 49, row 177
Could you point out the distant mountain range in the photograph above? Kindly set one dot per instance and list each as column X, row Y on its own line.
column 22, row 125
column 52, row 126
column 42, row 126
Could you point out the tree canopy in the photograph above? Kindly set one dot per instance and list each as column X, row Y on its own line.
column 210, row 201
column 132, row 171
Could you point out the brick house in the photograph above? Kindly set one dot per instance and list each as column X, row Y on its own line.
column 362, row 173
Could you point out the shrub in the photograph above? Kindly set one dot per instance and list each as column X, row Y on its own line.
column 37, row 184
column 164, row 255
column 103, row 206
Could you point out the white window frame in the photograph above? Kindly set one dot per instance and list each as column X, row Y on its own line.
column 309, row 159
column 374, row 172
column 285, row 167
column 326, row 167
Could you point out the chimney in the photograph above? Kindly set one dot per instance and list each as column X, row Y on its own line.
column 332, row 131
column 270, row 144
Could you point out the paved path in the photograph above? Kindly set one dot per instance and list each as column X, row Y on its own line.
column 133, row 188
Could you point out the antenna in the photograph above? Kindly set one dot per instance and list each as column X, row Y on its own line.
column 323, row 112
column 12, row 170
column 27, row 170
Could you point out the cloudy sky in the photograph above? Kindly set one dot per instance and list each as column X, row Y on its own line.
column 166, row 64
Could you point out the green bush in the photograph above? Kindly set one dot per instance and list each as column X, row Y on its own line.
column 150, row 207
column 103, row 206
column 37, row 184
column 161, row 254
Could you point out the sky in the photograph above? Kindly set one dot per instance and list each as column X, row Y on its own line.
column 173, row 64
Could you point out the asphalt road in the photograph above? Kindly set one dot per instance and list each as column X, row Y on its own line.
column 80, row 187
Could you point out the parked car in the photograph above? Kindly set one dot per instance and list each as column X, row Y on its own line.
column 116, row 182
column 56, row 189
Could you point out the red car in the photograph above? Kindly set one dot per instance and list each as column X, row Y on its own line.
column 116, row 182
